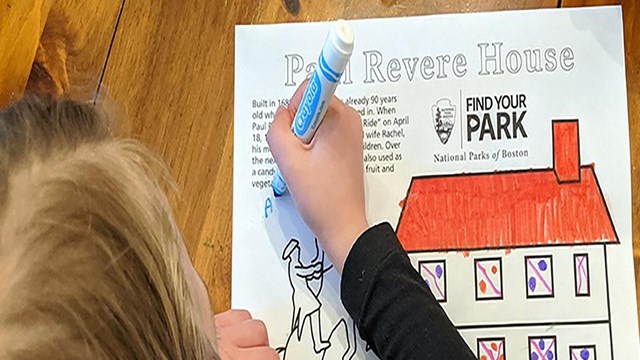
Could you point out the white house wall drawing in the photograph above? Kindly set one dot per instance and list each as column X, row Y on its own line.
column 533, row 240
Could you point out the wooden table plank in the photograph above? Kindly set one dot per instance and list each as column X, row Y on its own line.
column 73, row 48
column 21, row 26
column 171, row 72
column 272, row 11
column 631, row 18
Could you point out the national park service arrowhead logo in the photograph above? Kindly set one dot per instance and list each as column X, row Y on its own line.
column 444, row 117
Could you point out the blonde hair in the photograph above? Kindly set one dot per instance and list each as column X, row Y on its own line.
column 89, row 252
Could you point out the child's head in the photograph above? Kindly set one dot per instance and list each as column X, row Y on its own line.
column 91, row 262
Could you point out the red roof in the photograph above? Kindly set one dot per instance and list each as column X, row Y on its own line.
column 504, row 210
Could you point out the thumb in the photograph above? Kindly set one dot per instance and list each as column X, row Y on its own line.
column 280, row 133
column 282, row 142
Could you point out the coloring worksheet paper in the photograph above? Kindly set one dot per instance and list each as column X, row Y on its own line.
column 496, row 145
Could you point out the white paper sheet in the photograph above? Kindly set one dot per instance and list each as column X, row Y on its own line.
column 527, row 243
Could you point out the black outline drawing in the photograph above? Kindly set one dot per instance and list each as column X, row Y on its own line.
column 526, row 275
column 575, row 275
column 580, row 347
column 444, row 276
column 475, row 278
column 504, row 344
column 307, row 306
column 544, row 337
column 529, row 324
column 310, row 305
column 606, row 278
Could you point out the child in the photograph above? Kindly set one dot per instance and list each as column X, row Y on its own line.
column 93, row 266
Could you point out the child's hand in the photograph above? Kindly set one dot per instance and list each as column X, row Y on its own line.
column 240, row 337
column 326, row 177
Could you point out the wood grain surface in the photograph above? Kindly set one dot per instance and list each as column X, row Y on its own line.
column 54, row 46
column 21, row 25
column 74, row 48
column 169, row 75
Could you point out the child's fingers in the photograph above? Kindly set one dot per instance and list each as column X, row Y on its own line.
column 260, row 353
column 333, row 124
column 231, row 317
column 282, row 142
column 346, row 113
column 337, row 104
column 294, row 102
column 248, row 334
column 341, row 123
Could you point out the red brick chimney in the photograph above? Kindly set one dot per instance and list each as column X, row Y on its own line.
column 566, row 150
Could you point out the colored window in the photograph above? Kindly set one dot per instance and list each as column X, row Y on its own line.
column 542, row 348
column 434, row 274
column 581, row 274
column 488, row 279
column 582, row 352
column 491, row 349
column 539, row 276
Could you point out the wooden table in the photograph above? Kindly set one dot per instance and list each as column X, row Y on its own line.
column 167, row 68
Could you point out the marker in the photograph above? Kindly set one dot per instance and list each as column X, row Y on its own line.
column 333, row 60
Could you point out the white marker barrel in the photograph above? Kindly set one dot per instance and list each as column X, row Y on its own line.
column 331, row 64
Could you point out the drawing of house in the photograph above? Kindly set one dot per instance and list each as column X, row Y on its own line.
column 518, row 259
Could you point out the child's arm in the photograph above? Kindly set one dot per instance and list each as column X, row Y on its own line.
column 392, row 306
column 326, row 177
column 394, row 310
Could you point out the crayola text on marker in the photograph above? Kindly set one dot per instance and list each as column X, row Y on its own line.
column 322, row 85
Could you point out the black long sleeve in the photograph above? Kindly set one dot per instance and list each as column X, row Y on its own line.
column 393, row 308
